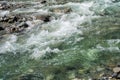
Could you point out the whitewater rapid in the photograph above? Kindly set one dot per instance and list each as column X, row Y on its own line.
column 47, row 37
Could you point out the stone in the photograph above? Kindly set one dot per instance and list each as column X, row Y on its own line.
column 1, row 28
column 116, row 73
column 14, row 29
column 30, row 70
column 116, row 69
column 44, row 18
column 4, row 5
column 23, row 24
column 61, row 10
column 43, row 2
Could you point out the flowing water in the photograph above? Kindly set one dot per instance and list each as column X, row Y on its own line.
column 72, row 46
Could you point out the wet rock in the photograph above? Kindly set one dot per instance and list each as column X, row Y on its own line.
column 4, row 5
column 43, row 2
column 18, row 28
column 116, row 73
column 11, row 29
column 116, row 76
column 23, row 25
column 61, row 10
column 14, row 23
column 14, row 18
column 45, row 18
column 14, row 29
column 9, row 19
column 116, row 69
column 1, row 28
column 4, row 19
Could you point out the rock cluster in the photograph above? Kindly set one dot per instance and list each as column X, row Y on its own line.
column 10, row 6
column 13, row 23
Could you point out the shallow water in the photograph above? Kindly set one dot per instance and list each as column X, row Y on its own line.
column 76, row 45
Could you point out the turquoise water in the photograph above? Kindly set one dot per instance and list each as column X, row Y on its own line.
column 82, row 44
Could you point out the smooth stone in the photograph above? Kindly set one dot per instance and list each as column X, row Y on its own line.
column 116, row 69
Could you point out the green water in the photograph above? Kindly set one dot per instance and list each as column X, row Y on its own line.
column 83, row 55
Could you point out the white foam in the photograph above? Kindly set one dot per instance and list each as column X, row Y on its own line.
column 3, row 13
column 48, row 37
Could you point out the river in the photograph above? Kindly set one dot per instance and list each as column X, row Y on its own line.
column 81, row 41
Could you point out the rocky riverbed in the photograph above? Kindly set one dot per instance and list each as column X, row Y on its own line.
column 60, row 40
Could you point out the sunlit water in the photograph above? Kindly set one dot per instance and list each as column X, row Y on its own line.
column 66, row 47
